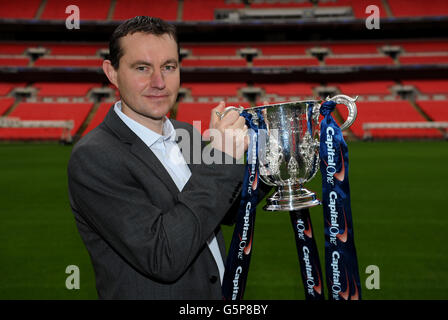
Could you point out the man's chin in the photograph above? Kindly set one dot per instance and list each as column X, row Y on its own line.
column 156, row 112
column 159, row 114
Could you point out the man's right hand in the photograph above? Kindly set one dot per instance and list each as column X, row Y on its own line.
column 228, row 134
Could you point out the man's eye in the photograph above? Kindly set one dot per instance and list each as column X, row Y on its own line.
column 142, row 68
column 170, row 67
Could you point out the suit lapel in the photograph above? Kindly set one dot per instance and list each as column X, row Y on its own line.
column 139, row 149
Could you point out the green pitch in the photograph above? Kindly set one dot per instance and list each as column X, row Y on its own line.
column 398, row 192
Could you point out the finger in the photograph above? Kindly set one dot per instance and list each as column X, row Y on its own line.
column 246, row 142
column 238, row 124
column 230, row 118
column 206, row 135
column 214, row 118
column 221, row 106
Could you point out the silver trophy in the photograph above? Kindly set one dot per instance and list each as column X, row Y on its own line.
column 288, row 150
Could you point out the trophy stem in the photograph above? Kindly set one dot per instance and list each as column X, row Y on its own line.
column 290, row 198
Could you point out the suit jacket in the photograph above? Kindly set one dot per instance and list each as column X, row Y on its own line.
column 146, row 239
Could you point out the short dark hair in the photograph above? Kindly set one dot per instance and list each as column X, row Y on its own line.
column 143, row 24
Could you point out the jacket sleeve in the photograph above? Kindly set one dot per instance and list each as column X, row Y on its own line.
column 159, row 244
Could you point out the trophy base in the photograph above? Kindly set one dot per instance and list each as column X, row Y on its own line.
column 287, row 199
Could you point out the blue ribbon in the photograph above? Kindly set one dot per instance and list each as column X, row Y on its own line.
column 308, row 254
column 240, row 251
column 341, row 263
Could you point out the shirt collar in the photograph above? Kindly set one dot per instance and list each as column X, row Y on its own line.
column 148, row 136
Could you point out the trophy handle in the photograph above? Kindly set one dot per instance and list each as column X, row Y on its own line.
column 227, row 109
column 351, row 106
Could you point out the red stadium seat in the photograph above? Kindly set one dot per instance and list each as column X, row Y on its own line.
column 13, row 48
column 100, row 113
column 272, row 49
column 125, row 9
column 283, row 62
column 46, row 111
column 198, row 114
column 436, row 110
column 289, row 4
column 19, row 9
column 88, row 9
column 406, row 8
column 227, row 49
column 210, row 89
column 65, row 62
column 429, row 86
column 355, row 47
column 364, row 88
column 5, row 104
column 358, row 6
column 197, row 10
column 6, row 88
column 14, row 62
column 423, row 46
column 442, row 59
column 79, row 49
column 358, row 61
column 195, row 62
column 388, row 111
column 289, row 88
column 64, row 89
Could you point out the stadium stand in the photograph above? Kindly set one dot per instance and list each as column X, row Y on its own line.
column 19, row 9
column 272, row 49
column 356, row 47
column 68, row 49
column 14, row 61
column 213, row 62
column 288, row 89
column 422, row 46
column 213, row 49
column 45, row 111
column 389, row 111
column 431, row 86
column 220, row 89
column 125, row 9
column 365, row 87
column 198, row 10
column 13, row 48
column 416, row 60
column 198, row 114
column 48, row 89
column 436, row 110
column 89, row 9
column 358, row 61
column 51, row 61
column 280, row 62
column 98, row 116
column 405, row 8
column 397, row 75
column 5, row 104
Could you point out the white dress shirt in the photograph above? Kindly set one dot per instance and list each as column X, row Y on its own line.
column 168, row 152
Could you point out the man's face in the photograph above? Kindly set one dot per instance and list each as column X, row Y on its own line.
column 148, row 76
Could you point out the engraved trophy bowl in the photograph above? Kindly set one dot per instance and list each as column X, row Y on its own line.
column 288, row 150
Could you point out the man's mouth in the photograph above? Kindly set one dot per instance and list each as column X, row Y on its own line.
column 157, row 97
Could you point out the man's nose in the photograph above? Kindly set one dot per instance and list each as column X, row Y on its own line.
column 157, row 80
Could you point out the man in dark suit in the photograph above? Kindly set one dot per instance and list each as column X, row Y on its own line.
column 150, row 218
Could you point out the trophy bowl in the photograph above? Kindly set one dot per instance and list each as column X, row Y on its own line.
column 288, row 150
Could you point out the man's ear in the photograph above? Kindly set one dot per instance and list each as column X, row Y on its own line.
column 110, row 72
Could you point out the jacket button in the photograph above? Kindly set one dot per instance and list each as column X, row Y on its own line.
column 213, row 279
